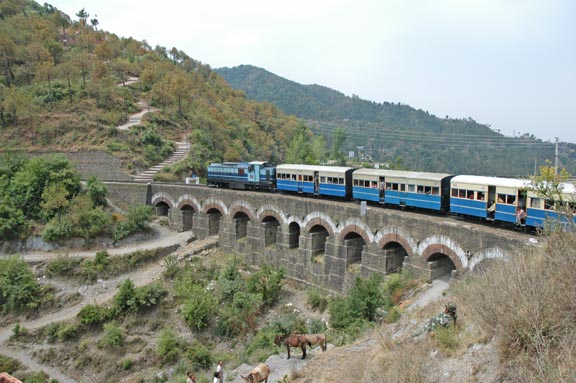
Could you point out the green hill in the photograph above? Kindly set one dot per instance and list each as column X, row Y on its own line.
column 64, row 86
column 389, row 131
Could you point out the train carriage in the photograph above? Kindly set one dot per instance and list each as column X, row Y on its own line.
column 255, row 175
column 542, row 209
column 331, row 181
column 403, row 188
column 474, row 195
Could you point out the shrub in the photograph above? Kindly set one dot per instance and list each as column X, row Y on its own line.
column 113, row 335
column 199, row 355
column 447, row 337
column 393, row 315
column 8, row 365
column 68, row 331
column 102, row 260
column 317, row 299
column 93, row 314
column 199, row 307
column 37, row 377
column 168, row 346
column 267, row 282
column 18, row 287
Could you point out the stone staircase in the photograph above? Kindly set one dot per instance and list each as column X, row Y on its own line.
column 148, row 175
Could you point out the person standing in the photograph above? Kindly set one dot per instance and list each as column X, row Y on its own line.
column 220, row 371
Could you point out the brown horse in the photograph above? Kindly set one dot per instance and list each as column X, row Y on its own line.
column 293, row 340
column 314, row 339
column 258, row 374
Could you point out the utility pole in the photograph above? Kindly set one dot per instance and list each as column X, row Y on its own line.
column 556, row 158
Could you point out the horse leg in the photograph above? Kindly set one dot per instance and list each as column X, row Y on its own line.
column 303, row 347
column 288, row 348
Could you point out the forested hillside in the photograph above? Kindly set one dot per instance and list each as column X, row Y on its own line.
column 398, row 133
column 65, row 86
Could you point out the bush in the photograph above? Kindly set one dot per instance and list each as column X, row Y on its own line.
column 168, row 346
column 113, row 335
column 18, row 287
column 267, row 282
column 199, row 355
column 317, row 299
column 199, row 307
column 8, row 365
column 93, row 314
column 68, row 331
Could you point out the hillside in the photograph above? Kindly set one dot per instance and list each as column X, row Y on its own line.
column 390, row 130
column 66, row 86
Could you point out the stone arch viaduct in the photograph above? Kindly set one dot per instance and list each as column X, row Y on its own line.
column 326, row 243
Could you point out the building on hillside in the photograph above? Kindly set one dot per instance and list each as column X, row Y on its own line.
column 7, row 378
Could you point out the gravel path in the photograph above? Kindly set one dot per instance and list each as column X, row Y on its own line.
column 99, row 292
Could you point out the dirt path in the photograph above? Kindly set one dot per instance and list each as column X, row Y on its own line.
column 98, row 293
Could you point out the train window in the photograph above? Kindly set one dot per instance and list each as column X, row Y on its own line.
column 293, row 177
column 394, row 186
column 341, row 181
column 299, row 177
column 461, row 193
column 356, row 182
column 388, row 186
column 374, row 185
column 454, row 192
column 480, row 196
column 549, row 204
column 323, row 180
column 240, row 172
column 427, row 189
column 501, row 198
column 435, row 190
column 510, row 200
column 402, row 187
column 411, row 188
column 536, row 203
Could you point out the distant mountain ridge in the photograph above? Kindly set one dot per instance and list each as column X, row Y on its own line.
column 388, row 131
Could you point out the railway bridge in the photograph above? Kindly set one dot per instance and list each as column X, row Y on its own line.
column 326, row 243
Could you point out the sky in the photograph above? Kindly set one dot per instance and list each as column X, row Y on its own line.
column 510, row 64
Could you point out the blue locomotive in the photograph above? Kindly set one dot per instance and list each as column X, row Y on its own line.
column 255, row 175
column 506, row 200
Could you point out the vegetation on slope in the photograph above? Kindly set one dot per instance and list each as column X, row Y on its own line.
column 64, row 85
column 388, row 131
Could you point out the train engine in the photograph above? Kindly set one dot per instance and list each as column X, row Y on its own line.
column 255, row 175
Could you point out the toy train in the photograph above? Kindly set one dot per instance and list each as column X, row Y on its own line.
column 506, row 200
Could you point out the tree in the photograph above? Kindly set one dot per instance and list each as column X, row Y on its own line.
column 96, row 191
column 83, row 16
column 338, row 138
column 300, row 150
column 55, row 199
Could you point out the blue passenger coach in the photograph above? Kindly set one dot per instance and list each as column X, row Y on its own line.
column 474, row 195
column 542, row 209
column 255, row 175
column 332, row 181
column 403, row 188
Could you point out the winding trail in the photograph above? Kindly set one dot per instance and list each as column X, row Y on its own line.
column 98, row 293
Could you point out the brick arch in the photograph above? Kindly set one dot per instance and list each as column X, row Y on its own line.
column 271, row 213
column 162, row 198
column 188, row 200
column 319, row 221
column 355, row 229
column 443, row 249
column 486, row 254
column 213, row 205
column 243, row 209
column 395, row 237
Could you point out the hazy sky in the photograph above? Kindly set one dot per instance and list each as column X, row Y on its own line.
column 507, row 63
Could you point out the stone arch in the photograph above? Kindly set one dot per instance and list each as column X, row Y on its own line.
column 293, row 237
column 356, row 226
column 319, row 218
column 213, row 203
column 240, row 220
column 486, row 255
column 272, row 229
column 443, row 245
column 271, row 210
column 162, row 204
column 244, row 207
column 187, row 199
column 354, row 244
column 396, row 234
column 318, row 235
column 162, row 197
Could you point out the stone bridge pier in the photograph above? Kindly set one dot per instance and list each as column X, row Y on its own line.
column 328, row 243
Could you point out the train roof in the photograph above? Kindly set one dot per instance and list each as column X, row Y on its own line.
column 520, row 183
column 335, row 169
column 261, row 163
column 403, row 174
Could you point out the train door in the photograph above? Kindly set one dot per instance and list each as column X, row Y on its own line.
column 316, row 183
column 491, row 203
column 300, row 183
column 253, row 173
column 381, row 188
